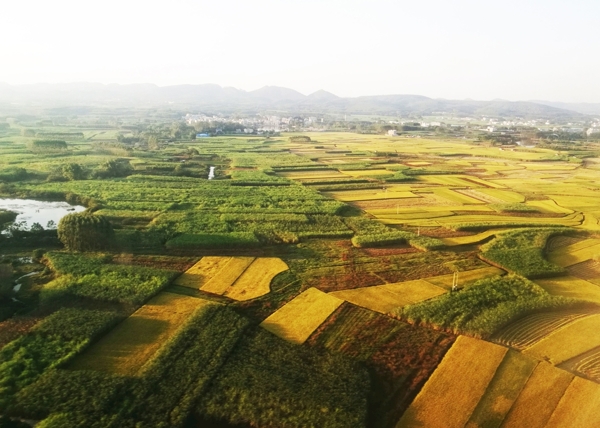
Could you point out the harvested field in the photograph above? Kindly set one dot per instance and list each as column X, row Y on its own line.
column 227, row 275
column 531, row 329
column 588, row 364
column 204, row 270
column 297, row 319
column 575, row 253
column 239, row 278
column 578, row 407
column 447, row 403
column 256, row 280
column 556, row 242
column 549, row 206
column 503, row 390
column 570, row 341
column 588, row 270
column 538, row 399
column 131, row 343
column 569, row 286
column 384, row 298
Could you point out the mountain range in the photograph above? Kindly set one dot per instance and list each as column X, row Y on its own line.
column 217, row 99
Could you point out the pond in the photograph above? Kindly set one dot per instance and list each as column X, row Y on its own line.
column 31, row 211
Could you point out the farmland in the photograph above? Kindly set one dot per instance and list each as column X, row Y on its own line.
column 130, row 344
column 315, row 280
column 508, row 390
column 239, row 278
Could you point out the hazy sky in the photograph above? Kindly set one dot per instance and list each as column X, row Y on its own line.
column 480, row 49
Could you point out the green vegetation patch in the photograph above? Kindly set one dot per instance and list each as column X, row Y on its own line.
column 93, row 277
column 522, row 252
column 213, row 240
column 51, row 343
column 269, row 382
column 370, row 233
column 218, row 365
column 486, row 306
column 513, row 208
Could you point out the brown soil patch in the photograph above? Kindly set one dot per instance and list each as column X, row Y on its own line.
column 16, row 327
column 399, row 356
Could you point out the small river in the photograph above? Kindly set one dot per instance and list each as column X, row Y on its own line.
column 31, row 211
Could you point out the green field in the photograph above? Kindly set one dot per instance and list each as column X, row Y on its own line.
column 317, row 279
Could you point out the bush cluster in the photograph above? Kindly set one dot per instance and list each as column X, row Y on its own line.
column 522, row 252
column 484, row 307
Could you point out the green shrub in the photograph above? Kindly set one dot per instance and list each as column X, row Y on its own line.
column 522, row 252
column 92, row 277
column 513, row 208
column 51, row 343
column 220, row 240
column 47, row 146
column 484, row 307
column 9, row 175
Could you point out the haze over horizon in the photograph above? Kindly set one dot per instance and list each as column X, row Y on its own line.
column 534, row 50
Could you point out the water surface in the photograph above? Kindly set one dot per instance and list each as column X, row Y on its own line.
column 31, row 211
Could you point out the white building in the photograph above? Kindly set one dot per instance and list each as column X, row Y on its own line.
column 392, row 133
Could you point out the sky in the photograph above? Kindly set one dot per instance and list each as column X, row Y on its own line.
column 460, row 49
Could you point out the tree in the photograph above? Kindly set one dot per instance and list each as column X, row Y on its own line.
column 73, row 171
column 85, row 232
column 114, row 168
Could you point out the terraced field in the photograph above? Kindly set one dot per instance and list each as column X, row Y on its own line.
column 239, row 278
column 384, row 298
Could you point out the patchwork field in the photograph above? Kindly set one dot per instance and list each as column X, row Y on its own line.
column 401, row 356
column 569, row 286
column 239, row 278
column 297, row 319
column 575, row 253
column 504, row 389
column 568, row 342
column 126, row 348
column 384, row 298
column 444, row 401
column 533, row 328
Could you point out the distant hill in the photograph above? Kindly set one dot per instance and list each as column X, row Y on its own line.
column 272, row 98
column 584, row 108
